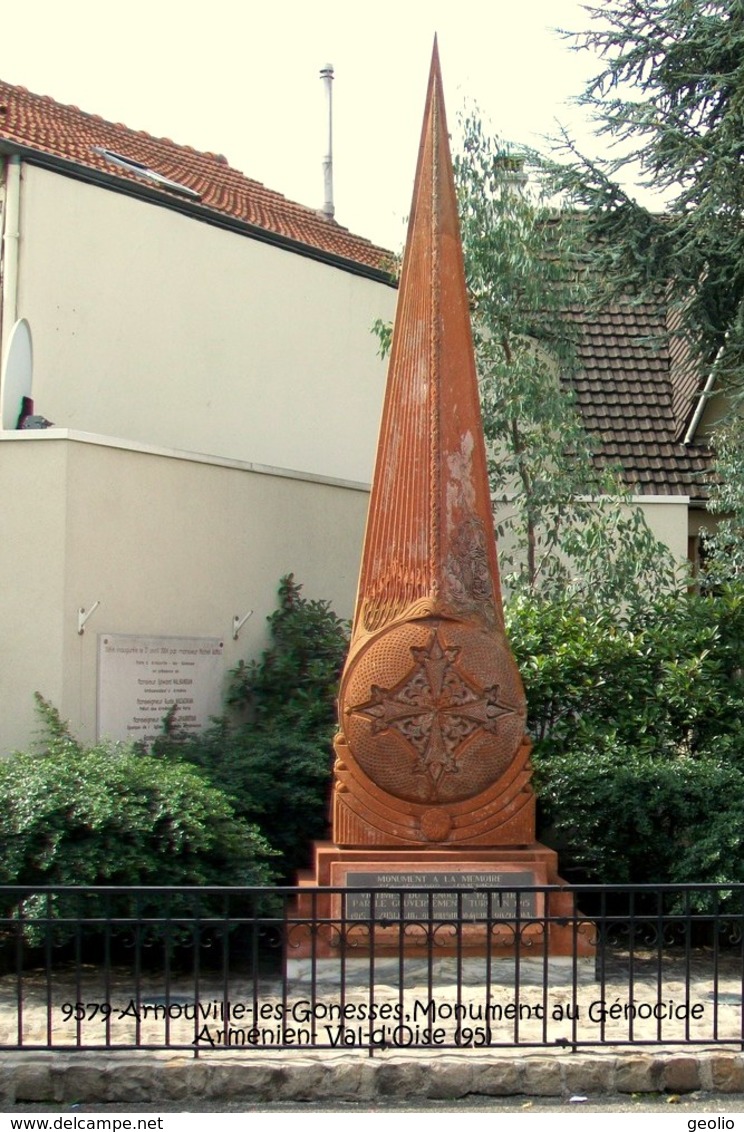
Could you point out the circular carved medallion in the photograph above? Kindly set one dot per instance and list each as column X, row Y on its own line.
column 433, row 710
column 436, row 824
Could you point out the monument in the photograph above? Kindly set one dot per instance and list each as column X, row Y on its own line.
column 432, row 775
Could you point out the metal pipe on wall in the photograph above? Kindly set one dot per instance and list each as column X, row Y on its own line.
column 10, row 248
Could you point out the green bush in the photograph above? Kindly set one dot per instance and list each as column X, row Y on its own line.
column 622, row 816
column 294, row 684
column 666, row 678
column 110, row 815
column 272, row 753
column 276, row 778
column 638, row 725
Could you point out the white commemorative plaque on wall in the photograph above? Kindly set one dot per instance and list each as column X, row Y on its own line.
column 141, row 678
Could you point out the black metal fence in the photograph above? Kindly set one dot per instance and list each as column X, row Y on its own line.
column 206, row 970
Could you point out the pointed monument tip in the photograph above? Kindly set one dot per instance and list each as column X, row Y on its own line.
column 435, row 76
column 435, row 66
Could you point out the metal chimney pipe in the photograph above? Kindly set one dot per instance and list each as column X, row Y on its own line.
column 328, row 208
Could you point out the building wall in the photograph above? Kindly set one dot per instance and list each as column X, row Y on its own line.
column 668, row 518
column 32, row 584
column 154, row 327
column 169, row 545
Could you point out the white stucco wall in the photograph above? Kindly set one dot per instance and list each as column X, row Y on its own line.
column 169, row 545
column 152, row 326
column 32, row 584
column 668, row 518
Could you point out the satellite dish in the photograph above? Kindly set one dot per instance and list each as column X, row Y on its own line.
column 17, row 373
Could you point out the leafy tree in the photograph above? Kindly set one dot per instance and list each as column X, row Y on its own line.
column 670, row 93
column 565, row 521
column 296, row 679
column 724, row 546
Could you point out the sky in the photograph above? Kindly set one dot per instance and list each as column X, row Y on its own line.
column 243, row 79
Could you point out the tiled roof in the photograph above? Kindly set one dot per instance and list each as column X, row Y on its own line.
column 38, row 123
column 635, row 391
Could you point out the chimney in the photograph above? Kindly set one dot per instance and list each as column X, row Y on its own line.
column 509, row 169
column 328, row 209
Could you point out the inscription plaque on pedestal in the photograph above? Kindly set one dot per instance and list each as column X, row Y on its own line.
column 493, row 897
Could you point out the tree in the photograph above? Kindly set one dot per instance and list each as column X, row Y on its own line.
column 670, row 92
column 724, row 547
column 565, row 520
column 672, row 84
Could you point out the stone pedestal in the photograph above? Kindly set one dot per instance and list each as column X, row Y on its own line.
column 457, row 903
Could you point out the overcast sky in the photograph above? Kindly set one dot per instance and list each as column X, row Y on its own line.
column 242, row 79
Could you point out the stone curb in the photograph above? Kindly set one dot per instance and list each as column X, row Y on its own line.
column 106, row 1079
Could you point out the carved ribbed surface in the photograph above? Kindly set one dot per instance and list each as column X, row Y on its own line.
column 430, row 531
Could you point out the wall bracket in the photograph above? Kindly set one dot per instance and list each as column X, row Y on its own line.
column 239, row 622
column 83, row 616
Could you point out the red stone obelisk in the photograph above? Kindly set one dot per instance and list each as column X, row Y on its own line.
column 432, row 775
column 432, row 747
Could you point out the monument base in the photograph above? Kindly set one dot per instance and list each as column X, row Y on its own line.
column 556, row 971
column 458, row 903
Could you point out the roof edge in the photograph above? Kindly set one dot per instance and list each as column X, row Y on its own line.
column 142, row 448
column 196, row 210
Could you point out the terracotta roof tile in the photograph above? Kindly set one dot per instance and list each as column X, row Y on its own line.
column 39, row 123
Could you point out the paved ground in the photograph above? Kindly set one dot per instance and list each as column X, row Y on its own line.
column 514, row 1049
column 686, row 1000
